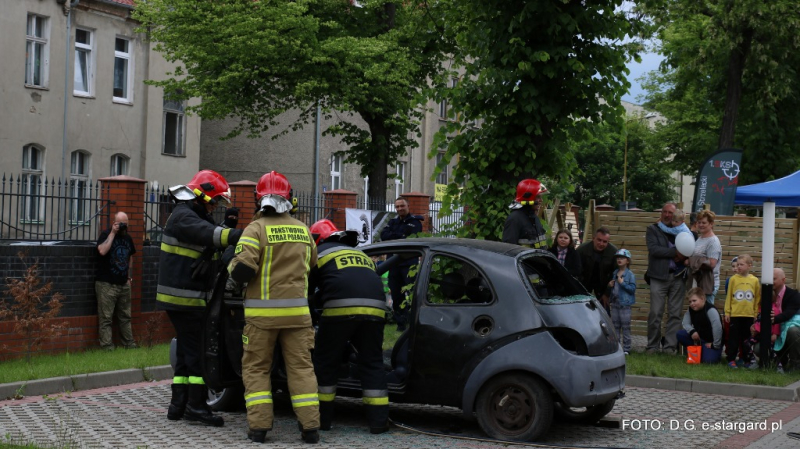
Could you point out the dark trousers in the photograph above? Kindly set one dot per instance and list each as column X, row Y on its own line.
column 707, row 355
column 189, row 332
column 398, row 278
column 366, row 336
column 738, row 332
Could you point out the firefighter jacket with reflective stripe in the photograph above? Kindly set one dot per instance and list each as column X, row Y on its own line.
column 280, row 250
column 189, row 239
column 522, row 227
column 347, row 283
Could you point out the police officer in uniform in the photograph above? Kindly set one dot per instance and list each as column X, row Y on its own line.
column 401, row 227
column 187, row 268
column 274, row 256
column 522, row 225
column 353, row 310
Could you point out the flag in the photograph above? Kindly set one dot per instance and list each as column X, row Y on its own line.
column 717, row 180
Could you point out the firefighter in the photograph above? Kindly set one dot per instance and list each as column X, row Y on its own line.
column 353, row 310
column 273, row 257
column 522, row 226
column 187, row 268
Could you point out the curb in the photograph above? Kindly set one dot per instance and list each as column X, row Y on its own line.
column 78, row 382
column 790, row 393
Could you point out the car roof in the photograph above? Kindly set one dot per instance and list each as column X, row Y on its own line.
column 453, row 244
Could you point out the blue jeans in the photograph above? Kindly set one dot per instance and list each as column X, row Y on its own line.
column 621, row 317
column 708, row 355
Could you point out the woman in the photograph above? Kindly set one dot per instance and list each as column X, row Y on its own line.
column 708, row 246
column 564, row 249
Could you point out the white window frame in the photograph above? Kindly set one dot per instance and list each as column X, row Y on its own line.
column 443, row 106
column 40, row 35
column 120, row 165
column 128, row 58
column 441, row 178
column 337, row 169
column 178, row 137
column 32, row 185
column 79, row 174
column 88, row 50
column 400, row 181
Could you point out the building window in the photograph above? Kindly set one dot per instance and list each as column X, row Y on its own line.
column 400, row 182
column 36, row 51
column 123, row 64
column 174, row 128
column 441, row 178
column 84, row 63
column 443, row 107
column 119, row 165
column 78, row 186
column 32, row 179
column 337, row 168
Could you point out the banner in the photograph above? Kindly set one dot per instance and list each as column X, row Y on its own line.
column 439, row 191
column 360, row 220
column 716, row 182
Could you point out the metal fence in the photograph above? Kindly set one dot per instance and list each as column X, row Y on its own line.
column 36, row 209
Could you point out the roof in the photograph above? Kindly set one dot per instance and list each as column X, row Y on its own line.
column 484, row 245
column 785, row 192
column 121, row 2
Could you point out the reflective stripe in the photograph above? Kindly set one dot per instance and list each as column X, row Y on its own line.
column 375, row 401
column 259, row 397
column 327, row 394
column 194, row 380
column 180, row 380
column 342, row 311
column 175, row 242
column 180, row 301
column 375, row 397
column 355, row 302
column 221, row 237
column 182, row 292
column 266, row 267
column 307, row 266
column 305, row 400
column 275, row 303
column 249, row 241
column 342, row 252
column 326, row 389
column 329, row 251
column 190, row 253
column 375, row 393
column 288, row 311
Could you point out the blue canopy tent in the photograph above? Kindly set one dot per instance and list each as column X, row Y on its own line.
column 785, row 192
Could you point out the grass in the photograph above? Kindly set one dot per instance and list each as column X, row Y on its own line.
column 390, row 336
column 675, row 367
column 73, row 363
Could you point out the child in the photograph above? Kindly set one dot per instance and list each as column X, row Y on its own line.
column 742, row 302
column 702, row 326
column 750, row 349
column 733, row 268
column 623, row 296
column 678, row 224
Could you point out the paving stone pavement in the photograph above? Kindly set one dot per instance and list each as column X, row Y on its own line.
column 135, row 416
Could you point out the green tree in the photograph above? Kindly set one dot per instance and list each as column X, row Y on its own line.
column 255, row 60
column 533, row 75
column 729, row 80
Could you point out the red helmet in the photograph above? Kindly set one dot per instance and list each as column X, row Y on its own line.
column 528, row 190
column 273, row 189
column 325, row 229
column 206, row 185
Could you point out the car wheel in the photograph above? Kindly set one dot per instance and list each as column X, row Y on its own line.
column 584, row 415
column 229, row 399
column 515, row 407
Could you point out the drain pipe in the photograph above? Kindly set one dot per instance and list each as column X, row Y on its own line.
column 61, row 224
column 316, row 162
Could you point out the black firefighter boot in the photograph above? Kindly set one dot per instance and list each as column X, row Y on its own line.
column 198, row 410
column 180, row 396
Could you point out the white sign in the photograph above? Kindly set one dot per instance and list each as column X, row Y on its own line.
column 360, row 220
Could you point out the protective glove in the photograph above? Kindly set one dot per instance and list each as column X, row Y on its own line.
column 231, row 217
column 294, row 207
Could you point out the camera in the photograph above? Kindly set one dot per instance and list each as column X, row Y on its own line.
column 123, row 226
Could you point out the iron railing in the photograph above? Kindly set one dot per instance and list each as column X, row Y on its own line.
column 33, row 208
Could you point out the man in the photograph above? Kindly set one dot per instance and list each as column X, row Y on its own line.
column 400, row 227
column 186, row 273
column 354, row 310
column 522, row 226
column 788, row 343
column 598, row 262
column 667, row 285
column 273, row 257
column 113, row 285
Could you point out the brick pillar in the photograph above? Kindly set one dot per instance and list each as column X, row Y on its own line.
column 420, row 204
column 336, row 201
column 127, row 195
column 243, row 193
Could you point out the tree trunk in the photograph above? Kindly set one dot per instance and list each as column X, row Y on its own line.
column 378, row 166
column 733, row 97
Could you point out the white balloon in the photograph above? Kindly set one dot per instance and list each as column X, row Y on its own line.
column 684, row 242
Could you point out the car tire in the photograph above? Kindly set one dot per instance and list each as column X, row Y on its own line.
column 229, row 399
column 584, row 415
column 515, row 407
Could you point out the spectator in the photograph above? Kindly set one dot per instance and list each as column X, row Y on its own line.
column 708, row 246
column 564, row 249
column 752, row 346
column 702, row 326
column 113, row 284
column 733, row 268
column 667, row 285
column 623, row 296
column 597, row 263
column 678, row 224
column 741, row 305
column 400, row 227
column 787, row 345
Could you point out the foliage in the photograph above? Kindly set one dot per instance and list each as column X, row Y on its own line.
column 255, row 60
column 30, row 310
column 601, row 163
column 532, row 79
column 729, row 80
